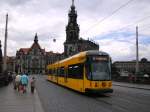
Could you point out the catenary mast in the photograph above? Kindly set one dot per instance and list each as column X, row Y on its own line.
column 5, row 45
column 137, row 52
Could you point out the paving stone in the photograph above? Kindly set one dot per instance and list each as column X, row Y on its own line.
column 14, row 101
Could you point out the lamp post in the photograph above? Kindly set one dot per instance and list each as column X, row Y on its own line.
column 53, row 40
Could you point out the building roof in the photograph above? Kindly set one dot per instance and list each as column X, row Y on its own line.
column 35, row 44
column 25, row 50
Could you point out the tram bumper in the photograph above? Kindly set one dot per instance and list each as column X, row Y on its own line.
column 90, row 90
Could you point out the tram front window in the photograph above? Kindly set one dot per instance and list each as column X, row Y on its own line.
column 100, row 71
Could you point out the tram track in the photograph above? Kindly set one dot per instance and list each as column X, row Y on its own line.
column 112, row 103
column 121, row 100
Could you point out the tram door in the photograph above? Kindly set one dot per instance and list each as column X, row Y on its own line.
column 65, row 76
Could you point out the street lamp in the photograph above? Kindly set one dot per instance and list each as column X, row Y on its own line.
column 52, row 57
column 54, row 40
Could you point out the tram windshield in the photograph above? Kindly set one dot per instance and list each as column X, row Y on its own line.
column 99, row 69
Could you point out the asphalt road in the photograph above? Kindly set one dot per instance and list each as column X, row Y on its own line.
column 55, row 98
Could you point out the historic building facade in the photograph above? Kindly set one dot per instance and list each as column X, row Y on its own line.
column 144, row 66
column 10, row 61
column 52, row 57
column 34, row 60
column 73, row 43
column 31, row 60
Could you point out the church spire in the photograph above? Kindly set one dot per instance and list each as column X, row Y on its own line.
column 36, row 38
column 72, row 2
column 72, row 29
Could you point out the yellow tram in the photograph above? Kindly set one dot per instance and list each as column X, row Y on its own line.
column 88, row 71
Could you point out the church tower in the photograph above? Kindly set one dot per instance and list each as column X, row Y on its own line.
column 72, row 32
column 36, row 38
column 72, row 29
column 73, row 43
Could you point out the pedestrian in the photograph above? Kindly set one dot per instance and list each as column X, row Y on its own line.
column 24, row 81
column 32, row 84
column 17, row 81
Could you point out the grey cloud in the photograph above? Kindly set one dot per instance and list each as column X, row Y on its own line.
column 14, row 2
column 103, row 8
column 49, row 17
column 20, row 36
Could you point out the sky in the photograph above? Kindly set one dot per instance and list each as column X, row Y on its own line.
column 110, row 23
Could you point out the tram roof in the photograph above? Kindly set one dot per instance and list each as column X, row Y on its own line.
column 84, row 53
column 96, row 52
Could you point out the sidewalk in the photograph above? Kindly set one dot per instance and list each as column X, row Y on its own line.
column 131, row 85
column 14, row 101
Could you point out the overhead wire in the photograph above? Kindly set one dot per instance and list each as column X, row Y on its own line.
column 129, row 25
column 111, row 14
column 143, row 27
column 135, row 23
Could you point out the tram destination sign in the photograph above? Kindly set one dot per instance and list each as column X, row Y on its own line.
column 99, row 58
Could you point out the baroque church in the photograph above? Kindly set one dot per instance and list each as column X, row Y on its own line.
column 73, row 43
column 34, row 60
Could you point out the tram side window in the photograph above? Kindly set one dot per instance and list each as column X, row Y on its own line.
column 75, row 71
column 49, row 71
column 55, row 71
column 52, row 71
column 62, row 72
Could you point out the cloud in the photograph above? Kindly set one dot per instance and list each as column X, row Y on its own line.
column 122, row 45
column 118, row 50
column 49, row 18
column 14, row 2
